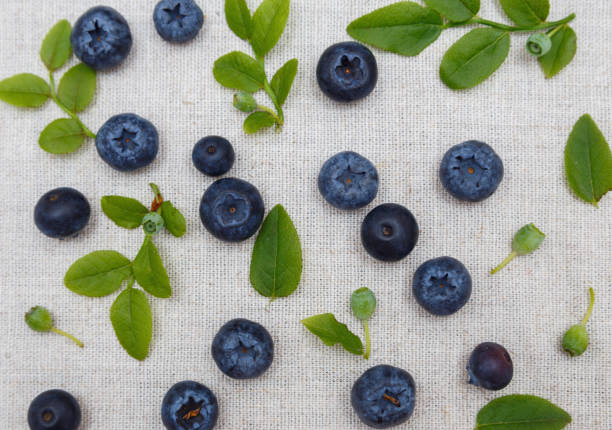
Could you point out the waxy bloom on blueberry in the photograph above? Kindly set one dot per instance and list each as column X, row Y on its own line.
column 576, row 339
column 54, row 410
column 178, row 21
column 189, row 405
column 525, row 241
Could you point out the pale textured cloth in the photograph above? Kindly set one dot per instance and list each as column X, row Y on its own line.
column 404, row 127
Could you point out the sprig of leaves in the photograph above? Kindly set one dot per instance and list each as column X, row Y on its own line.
column 101, row 273
column 246, row 74
column 407, row 28
column 521, row 411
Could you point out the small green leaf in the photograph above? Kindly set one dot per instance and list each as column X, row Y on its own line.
column 258, row 120
column 588, row 161
column 269, row 22
column 331, row 332
column 39, row 319
column 238, row 18
column 62, row 136
column 76, row 88
column 173, row 219
column 239, row 71
column 474, row 58
column 455, row 10
column 283, row 79
column 561, row 53
column 405, row 28
column 150, row 272
column 98, row 274
column 24, row 90
column 521, row 412
column 132, row 321
column 124, row 211
column 56, row 47
column 363, row 303
column 526, row 13
column 276, row 264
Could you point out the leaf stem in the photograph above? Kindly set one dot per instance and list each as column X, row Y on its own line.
column 71, row 114
column 504, row 263
column 500, row 26
column 131, row 280
column 590, row 310
column 69, row 336
column 366, row 328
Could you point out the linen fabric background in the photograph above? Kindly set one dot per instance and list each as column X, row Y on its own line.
column 404, row 127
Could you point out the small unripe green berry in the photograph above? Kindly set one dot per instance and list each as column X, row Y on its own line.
column 539, row 44
column 576, row 340
column 527, row 239
column 152, row 223
column 244, row 102
column 363, row 303
column 39, row 319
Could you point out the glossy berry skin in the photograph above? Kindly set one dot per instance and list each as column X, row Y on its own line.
column 347, row 71
column 442, row 285
column 127, row 142
column 348, row 181
column 62, row 212
column 213, row 155
column 189, row 405
column 178, row 21
column 54, row 410
column 389, row 232
column 243, row 349
column 490, row 366
column 471, row 171
column 232, row 209
column 101, row 38
column 383, row 396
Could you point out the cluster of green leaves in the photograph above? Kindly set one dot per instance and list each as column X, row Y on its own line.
column 74, row 92
column 246, row 74
column 520, row 411
column 407, row 28
column 101, row 273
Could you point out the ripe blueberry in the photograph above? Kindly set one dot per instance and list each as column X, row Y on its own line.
column 213, row 155
column 178, row 20
column 490, row 366
column 62, row 212
column 54, row 410
column 189, row 405
column 389, row 232
column 347, row 71
column 348, row 181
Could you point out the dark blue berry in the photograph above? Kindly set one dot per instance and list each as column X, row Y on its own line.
column 178, row 20
column 347, row 71
column 127, row 142
column 442, row 285
column 490, row 366
column 62, row 212
column 383, row 396
column 213, row 155
column 189, row 405
column 243, row 349
column 389, row 232
column 101, row 38
column 232, row 209
column 348, row 181
column 471, row 171
column 54, row 410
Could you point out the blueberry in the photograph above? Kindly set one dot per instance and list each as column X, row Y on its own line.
column 189, row 405
column 101, row 38
column 490, row 366
column 347, row 71
column 127, row 142
column 389, row 232
column 231, row 209
column 213, row 155
column 178, row 20
column 62, row 212
column 348, row 181
column 54, row 410
column 471, row 171
column 383, row 396
column 243, row 349
column 442, row 285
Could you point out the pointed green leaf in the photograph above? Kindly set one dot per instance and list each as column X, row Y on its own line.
column 521, row 412
column 98, row 274
column 256, row 121
column 526, row 13
column 239, row 71
column 124, row 211
column 132, row 321
column 269, row 22
column 24, row 90
column 283, row 79
column 455, row 10
column 150, row 272
column 56, row 47
column 331, row 332
column 173, row 219
column 77, row 86
column 62, row 136
column 562, row 52
column 238, row 18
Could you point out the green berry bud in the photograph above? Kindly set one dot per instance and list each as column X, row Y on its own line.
column 152, row 223
column 576, row 340
column 539, row 44
column 39, row 319
column 527, row 239
column 244, row 102
column 363, row 303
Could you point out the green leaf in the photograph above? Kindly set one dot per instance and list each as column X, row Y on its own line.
column 258, row 120
column 173, row 219
column 62, row 136
column 526, row 13
column 562, row 52
column 238, row 18
column 150, row 272
column 588, row 161
column 331, row 332
column 239, row 71
column 283, row 79
column 77, row 86
column 276, row 264
column 132, row 321
column 474, row 58
column 98, row 274
column 56, row 47
column 455, row 10
column 24, row 90
column 521, row 412
column 405, row 28
column 269, row 22
column 124, row 211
